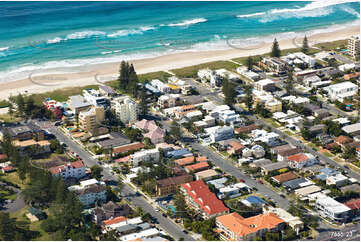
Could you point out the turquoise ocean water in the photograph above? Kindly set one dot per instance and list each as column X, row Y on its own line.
column 41, row 35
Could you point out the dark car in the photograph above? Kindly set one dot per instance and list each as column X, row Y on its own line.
column 185, row 231
column 58, row 123
column 241, row 180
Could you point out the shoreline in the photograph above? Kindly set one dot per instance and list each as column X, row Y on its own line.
column 107, row 71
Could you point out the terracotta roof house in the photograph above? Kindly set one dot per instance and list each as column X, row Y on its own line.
column 342, row 140
column 206, row 175
column 234, row 227
column 282, row 155
column 197, row 167
column 114, row 222
column 110, row 210
column 354, row 205
column 235, row 147
column 185, row 161
column 129, row 147
column 200, row 198
column 276, row 149
column 331, row 146
column 74, row 169
column 3, row 156
column 7, row 169
column 156, row 135
column 284, row 177
column 169, row 185
column 301, row 160
column 245, row 129
column 146, row 124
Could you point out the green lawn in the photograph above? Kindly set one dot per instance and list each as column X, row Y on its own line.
column 332, row 45
column 161, row 75
column 191, row 71
column 9, row 119
column 14, row 178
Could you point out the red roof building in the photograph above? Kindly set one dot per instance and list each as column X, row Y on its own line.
column 353, row 204
column 199, row 197
column 197, row 167
column 74, row 169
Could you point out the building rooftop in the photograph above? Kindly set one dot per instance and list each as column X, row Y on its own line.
column 197, row 166
column 206, row 173
column 275, row 166
column 242, row 227
column 285, row 177
column 353, row 204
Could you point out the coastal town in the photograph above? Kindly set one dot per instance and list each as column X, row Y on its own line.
column 263, row 147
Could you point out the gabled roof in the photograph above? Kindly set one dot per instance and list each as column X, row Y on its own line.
column 197, row 166
column 285, row 177
column 72, row 165
column 129, row 147
column 207, row 200
column 353, row 204
column 301, row 157
column 343, row 139
column 185, row 161
column 114, row 220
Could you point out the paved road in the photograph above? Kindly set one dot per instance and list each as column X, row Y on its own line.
column 174, row 230
column 234, row 171
column 342, row 59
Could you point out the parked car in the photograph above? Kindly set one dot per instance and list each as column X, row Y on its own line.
column 260, row 182
column 241, row 180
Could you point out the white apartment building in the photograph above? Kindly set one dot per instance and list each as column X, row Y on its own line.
column 249, row 74
column 219, row 133
column 340, row 91
column 270, row 138
column 261, row 84
column 208, row 75
column 145, row 155
column 90, row 191
column 126, row 109
column 207, row 121
column 232, row 191
column 229, row 116
column 330, row 208
column 169, row 100
column 75, row 169
column 353, row 46
column 94, row 97
column 161, row 86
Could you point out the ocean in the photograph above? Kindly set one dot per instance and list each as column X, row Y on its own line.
column 41, row 35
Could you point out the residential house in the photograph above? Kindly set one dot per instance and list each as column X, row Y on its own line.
column 294, row 222
column 258, row 151
column 234, row 227
column 107, row 91
column 235, row 147
column 161, row 86
column 234, row 190
column 266, row 85
column 307, row 190
column 206, row 175
column 284, row 154
column 110, row 210
column 170, row 185
column 70, row 170
column 201, row 199
column 90, row 191
column 343, row 140
column 342, row 90
column 284, row 177
column 252, row 201
column 301, row 160
column 274, row 64
column 260, row 163
column 352, row 129
column 197, row 167
column 273, row 167
column 169, row 100
column 245, row 129
column 337, row 180
column 274, row 150
column 151, row 155
column 155, row 134
column 206, row 122
column 300, row 75
column 176, row 154
column 331, row 209
column 128, row 148
column 219, row 133
column 322, row 113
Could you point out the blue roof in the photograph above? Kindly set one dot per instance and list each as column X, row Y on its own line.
column 328, row 171
column 178, row 153
column 255, row 200
column 321, row 177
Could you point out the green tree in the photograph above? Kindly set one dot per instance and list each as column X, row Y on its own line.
column 249, row 63
column 20, row 102
column 175, row 130
column 96, row 171
column 305, row 47
column 228, row 92
column 249, row 98
column 143, row 102
column 275, row 52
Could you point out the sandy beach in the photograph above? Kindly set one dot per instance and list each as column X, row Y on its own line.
column 92, row 74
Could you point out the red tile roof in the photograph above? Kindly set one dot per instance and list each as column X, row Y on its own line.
column 185, row 161
column 61, row 168
column 114, row 220
column 7, row 168
column 244, row 226
column 197, row 166
column 285, row 177
column 353, row 204
column 343, row 139
column 129, row 147
column 124, row 159
column 207, row 200
column 301, row 157
column 236, row 145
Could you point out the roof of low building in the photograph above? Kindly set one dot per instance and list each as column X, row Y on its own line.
column 197, row 166
column 114, row 220
column 128, row 147
column 343, row 139
column 353, row 204
column 285, row 177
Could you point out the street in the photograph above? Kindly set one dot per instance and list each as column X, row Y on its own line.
column 168, row 225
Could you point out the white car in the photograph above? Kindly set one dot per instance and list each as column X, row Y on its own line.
column 156, row 209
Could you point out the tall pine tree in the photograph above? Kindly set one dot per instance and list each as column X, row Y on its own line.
column 305, row 46
column 275, row 52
